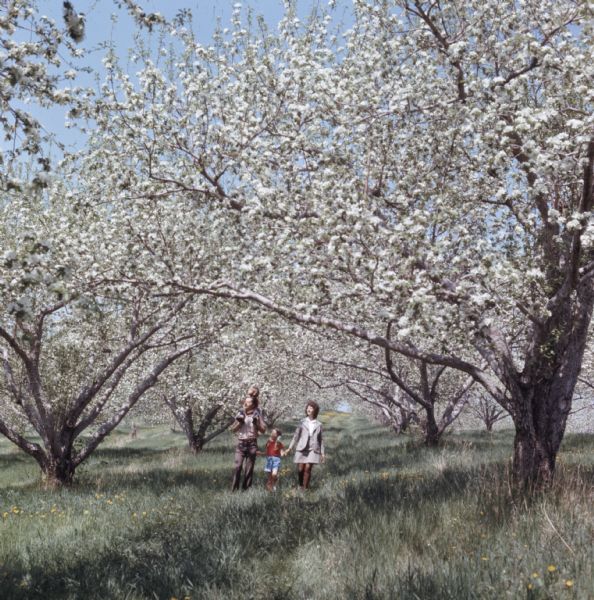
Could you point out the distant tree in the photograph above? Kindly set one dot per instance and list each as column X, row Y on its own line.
column 201, row 395
column 487, row 411
column 391, row 408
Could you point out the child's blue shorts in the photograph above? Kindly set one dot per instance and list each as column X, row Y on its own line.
column 272, row 464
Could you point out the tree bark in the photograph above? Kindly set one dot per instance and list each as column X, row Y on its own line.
column 540, row 419
column 432, row 432
column 533, row 462
column 196, row 436
column 195, row 445
column 58, row 470
column 542, row 396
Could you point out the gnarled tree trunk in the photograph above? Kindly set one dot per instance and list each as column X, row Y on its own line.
column 431, row 430
column 59, row 470
column 542, row 396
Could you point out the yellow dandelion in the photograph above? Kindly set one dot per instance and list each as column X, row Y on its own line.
column 530, row 586
column 534, row 575
column 568, row 583
column 144, row 513
column 4, row 515
column 110, row 502
column 86, row 512
column 484, row 558
column 551, row 568
column 134, row 515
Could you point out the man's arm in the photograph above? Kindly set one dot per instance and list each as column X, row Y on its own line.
column 259, row 422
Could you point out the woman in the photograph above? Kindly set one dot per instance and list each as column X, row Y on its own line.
column 248, row 424
column 308, row 443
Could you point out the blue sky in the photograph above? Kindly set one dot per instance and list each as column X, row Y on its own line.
column 101, row 27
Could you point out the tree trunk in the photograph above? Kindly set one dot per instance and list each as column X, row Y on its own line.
column 58, row 471
column 406, row 418
column 540, row 426
column 432, row 433
column 186, row 421
column 534, row 461
column 195, row 444
column 541, row 395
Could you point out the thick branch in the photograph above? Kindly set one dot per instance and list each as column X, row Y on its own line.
column 31, row 448
column 229, row 290
column 149, row 381
column 90, row 391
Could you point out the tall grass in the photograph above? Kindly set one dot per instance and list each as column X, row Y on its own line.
column 385, row 519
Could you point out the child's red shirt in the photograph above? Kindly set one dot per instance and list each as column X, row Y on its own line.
column 273, row 448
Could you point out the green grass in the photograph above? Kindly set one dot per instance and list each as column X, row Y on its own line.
column 385, row 519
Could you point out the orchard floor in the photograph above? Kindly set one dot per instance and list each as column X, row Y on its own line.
column 386, row 518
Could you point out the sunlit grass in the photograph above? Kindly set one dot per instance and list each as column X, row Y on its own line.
column 385, row 518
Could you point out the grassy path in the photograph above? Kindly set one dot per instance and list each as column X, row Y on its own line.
column 385, row 519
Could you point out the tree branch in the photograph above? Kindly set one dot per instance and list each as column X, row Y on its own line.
column 226, row 289
column 149, row 381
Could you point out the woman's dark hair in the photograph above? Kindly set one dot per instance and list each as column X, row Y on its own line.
column 315, row 406
column 278, row 431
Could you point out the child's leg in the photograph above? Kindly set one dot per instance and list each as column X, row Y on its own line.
column 274, row 478
column 268, row 471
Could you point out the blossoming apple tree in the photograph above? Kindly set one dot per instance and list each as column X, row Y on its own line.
column 431, row 167
column 79, row 345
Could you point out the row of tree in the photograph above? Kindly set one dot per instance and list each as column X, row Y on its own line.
column 419, row 180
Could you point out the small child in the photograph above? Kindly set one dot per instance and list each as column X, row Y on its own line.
column 273, row 461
